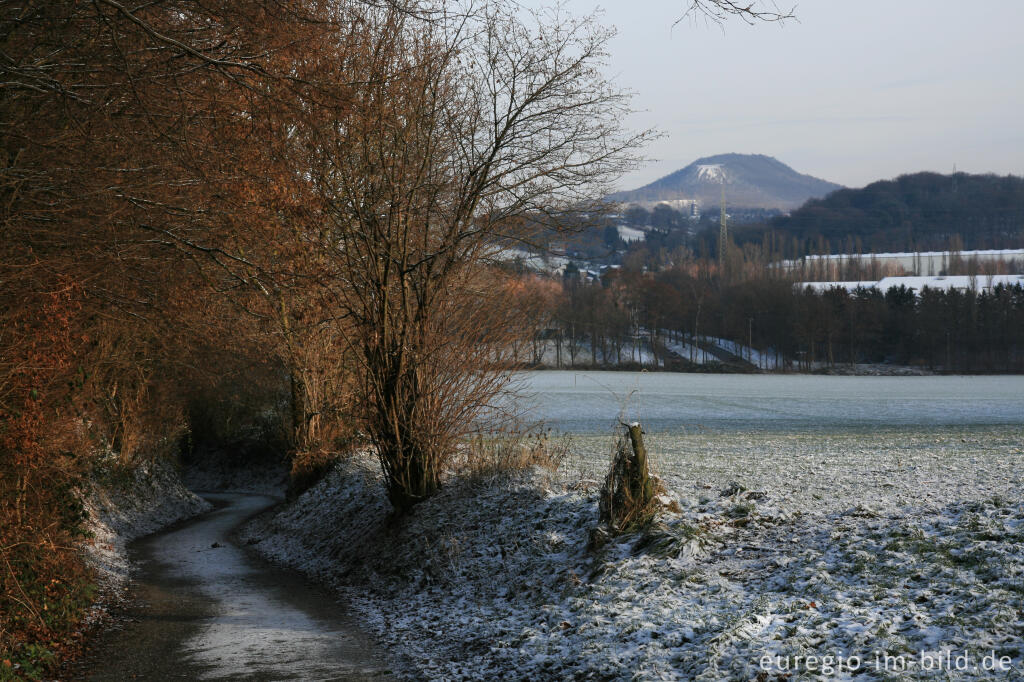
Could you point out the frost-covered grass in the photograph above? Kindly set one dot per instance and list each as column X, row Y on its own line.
column 125, row 504
column 884, row 468
column 886, row 543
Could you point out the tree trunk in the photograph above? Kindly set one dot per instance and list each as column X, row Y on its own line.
column 628, row 493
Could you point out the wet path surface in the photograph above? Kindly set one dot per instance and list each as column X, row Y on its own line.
column 206, row 608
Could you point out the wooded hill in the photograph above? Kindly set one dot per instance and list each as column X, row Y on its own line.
column 918, row 212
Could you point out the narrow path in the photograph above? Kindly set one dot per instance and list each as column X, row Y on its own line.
column 208, row 609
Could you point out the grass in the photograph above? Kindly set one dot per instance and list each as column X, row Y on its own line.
column 484, row 455
column 673, row 539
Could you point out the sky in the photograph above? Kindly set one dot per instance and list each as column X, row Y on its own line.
column 852, row 91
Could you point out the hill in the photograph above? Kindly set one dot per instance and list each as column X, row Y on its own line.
column 751, row 181
column 922, row 211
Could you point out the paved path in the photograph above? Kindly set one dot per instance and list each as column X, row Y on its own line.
column 206, row 608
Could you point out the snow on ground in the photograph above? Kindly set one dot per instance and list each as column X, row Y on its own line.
column 764, row 360
column 700, row 356
column 639, row 352
column 629, row 352
column 900, row 544
column 850, row 286
column 630, row 234
column 539, row 262
column 123, row 505
column 885, row 468
column 690, row 352
column 711, row 172
column 917, row 283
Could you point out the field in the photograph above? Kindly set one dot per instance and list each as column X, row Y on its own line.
column 882, row 468
column 861, row 554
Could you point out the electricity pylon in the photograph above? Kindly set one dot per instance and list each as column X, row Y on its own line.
column 723, row 232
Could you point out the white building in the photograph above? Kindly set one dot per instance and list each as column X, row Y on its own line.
column 979, row 283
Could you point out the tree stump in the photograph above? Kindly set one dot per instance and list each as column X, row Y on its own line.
column 627, row 496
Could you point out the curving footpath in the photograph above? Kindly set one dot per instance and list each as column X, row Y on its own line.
column 206, row 608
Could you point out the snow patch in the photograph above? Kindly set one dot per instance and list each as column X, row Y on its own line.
column 123, row 505
column 714, row 172
column 630, row 234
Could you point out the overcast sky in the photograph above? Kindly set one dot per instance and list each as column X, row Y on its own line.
column 853, row 91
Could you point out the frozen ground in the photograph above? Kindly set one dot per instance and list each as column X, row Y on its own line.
column 884, row 468
column 885, row 553
column 585, row 401
column 123, row 505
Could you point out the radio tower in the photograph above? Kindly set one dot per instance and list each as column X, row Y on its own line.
column 723, row 232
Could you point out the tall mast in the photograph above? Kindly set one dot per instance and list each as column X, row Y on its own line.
column 723, row 231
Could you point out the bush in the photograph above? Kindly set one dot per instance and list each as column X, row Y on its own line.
column 308, row 469
column 45, row 586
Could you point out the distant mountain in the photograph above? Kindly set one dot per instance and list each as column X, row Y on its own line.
column 750, row 180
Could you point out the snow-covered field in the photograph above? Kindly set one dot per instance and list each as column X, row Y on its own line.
column 593, row 402
column 630, row 234
column 881, row 554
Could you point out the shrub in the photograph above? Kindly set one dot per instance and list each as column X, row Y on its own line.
column 308, row 468
column 45, row 587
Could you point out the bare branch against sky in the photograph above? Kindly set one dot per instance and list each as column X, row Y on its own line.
column 751, row 12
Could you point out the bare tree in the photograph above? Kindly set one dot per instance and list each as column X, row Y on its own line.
column 465, row 124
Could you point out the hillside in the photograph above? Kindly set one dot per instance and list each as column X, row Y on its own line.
column 921, row 211
column 751, row 181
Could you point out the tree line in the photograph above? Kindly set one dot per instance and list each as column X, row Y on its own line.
column 978, row 329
